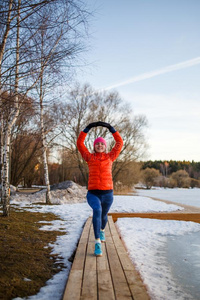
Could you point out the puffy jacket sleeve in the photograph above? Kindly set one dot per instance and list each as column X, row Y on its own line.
column 82, row 148
column 118, row 146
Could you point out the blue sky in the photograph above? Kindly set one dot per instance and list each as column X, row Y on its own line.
column 149, row 51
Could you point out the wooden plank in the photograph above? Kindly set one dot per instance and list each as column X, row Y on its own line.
column 108, row 234
column 119, row 281
column 91, row 234
column 136, row 286
column 125, row 259
column 194, row 217
column 102, row 262
column 89, row 288
column 133, row 278
column 74, row 283
column 86, row 229
column 79, row 260
column 90, row 261
column 114, row 233
column 121, row 287
column 105, row 286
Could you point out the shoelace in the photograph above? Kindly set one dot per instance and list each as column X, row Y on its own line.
column 98, row 246
column 102, row 234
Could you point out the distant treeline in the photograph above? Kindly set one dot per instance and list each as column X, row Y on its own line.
column 168, row 167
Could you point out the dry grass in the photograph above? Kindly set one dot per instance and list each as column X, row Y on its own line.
column 124, row 191
column 25, row 254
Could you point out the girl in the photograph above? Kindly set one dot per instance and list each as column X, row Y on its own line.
column 100, row 184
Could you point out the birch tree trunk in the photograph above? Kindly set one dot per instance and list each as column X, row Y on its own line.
column 8, row 126
column 1, row 162
column 44, row 145
column 44, row 155
column 5, row 174
column 2, row 49
column 7, row 29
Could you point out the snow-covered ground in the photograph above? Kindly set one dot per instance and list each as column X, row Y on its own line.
column 145, row 239
column 140, row 204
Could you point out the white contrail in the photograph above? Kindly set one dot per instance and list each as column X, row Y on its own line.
column 182, row 65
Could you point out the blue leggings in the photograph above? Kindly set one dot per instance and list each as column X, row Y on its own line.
column 100, row 205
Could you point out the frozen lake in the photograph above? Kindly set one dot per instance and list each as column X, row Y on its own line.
column 184, row 196
column 185, row 266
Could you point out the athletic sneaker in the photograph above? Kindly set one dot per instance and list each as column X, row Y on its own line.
column 102, row 236
column 98, row 251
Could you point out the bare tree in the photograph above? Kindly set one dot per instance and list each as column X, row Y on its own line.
column 57, row 45
column 25, row 158
column 5, row 27
column 25, row 145
column 149, row 176
column 180, row 179
column 31, row 61
column 12, row 15
column 86, row 105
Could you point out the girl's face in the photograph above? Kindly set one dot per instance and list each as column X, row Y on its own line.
column 100, row 147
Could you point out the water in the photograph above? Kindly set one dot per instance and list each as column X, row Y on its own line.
column 182, row 253
column 183, row 196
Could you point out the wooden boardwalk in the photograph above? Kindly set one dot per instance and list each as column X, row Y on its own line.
column 109, row 277
column 179, row 216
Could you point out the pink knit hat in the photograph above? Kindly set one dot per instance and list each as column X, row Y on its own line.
column 100, row 140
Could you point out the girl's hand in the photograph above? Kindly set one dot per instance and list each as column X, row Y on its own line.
column 89, row 126
column 94, row 124
column 99, row 123
column 107, row 125
column 104, row 124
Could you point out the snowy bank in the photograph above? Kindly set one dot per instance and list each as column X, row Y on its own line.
column 146, row 241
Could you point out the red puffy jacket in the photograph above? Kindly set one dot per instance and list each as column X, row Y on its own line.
column 100, row 164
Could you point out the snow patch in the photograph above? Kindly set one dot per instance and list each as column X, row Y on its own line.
column 65, row 192
column 141, row 204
